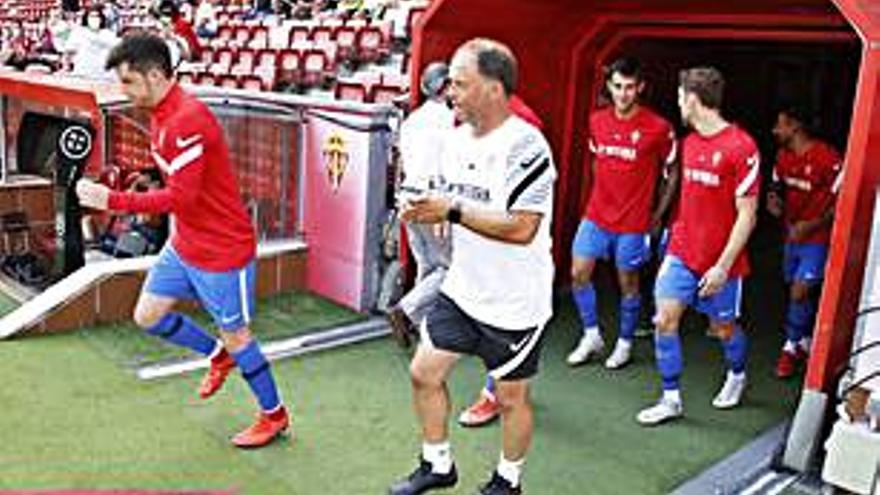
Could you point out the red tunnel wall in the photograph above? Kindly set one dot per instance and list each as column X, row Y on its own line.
column 558, row 44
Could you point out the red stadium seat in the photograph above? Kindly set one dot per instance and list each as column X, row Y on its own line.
column 350, row 91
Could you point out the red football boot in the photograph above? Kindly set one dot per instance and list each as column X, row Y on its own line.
column 481, row 412
column 267, row 427
column 221, row 365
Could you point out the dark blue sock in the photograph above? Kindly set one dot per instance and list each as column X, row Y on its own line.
column 667, row 349
column 735, row 349
column 585, row 299
column 179, row 329
column 490, row 384
column 630, row 306
column 798, row 320
column 256, row 371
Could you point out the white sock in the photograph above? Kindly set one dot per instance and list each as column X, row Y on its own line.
column 736, row 376
column 592, row 332
column 805, row 344
column 624, row 344
column 439, row 455
column 672, row 396
column 788, row 347
column 510, row 470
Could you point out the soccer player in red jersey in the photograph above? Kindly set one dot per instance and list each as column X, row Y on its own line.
column 630, row 145
column 706, row 261
column 211, row 253
column 809, row 170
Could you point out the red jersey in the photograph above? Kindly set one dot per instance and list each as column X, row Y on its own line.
column 715, row 171
column 184, row 29
column 627, row 156
column 212, row 230
column 811, row 182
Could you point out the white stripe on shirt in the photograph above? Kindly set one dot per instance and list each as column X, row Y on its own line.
column 752, row 176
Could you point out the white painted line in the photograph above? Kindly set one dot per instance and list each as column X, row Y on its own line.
column 782, row 485
column 294, row 346
column 759, row 484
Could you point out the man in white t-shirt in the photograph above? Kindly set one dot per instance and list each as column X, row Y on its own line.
column 496, row 297
column 422, row 135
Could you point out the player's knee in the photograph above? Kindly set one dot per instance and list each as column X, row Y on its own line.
column 422, row 377
column 800, row 291
column 236, row 340
column 665, row 322
column 146, row 317
column 723, row 329
column 580, row 276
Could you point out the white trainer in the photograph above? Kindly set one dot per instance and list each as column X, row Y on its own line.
column 590, row 343
column 621, row 355
column 664, row 410
column 731, row 392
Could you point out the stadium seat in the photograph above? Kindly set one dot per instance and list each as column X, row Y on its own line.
column 350, row 90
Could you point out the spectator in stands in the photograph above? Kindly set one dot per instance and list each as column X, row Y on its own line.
column 16, row 51
column 88, row 45
column 178, row 29
column 70, row 5
column 112, row 16
column 206, row 19
column 259, row 9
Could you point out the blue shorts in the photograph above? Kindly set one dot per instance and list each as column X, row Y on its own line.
column 629, row 251
column 677, row 281
column 227, row 296
column 804, row 262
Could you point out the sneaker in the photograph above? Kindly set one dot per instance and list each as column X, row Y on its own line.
column 731, row 392
column 402, row 328
column 662, row 411
column 480, row 413
column 620, row 357
column 221, row 365
column 267, row 427
column 787, row 363
column 499, row 486
column 590, row 343
column 424, row 479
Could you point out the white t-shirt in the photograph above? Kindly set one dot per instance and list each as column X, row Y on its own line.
column 501, row 284
column 206, row 16
column 90, row 51
column 422, row 135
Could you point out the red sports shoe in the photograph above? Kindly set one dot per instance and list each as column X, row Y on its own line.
column 221, row 365
column 264, row 430
column 787, row 363
column 481, row 412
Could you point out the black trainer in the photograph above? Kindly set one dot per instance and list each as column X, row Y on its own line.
column 499, row 486
column 423, row 479
column 402, row 329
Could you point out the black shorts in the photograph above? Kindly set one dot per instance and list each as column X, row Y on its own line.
column 507, row 354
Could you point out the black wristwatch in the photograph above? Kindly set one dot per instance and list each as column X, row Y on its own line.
column 453, row 215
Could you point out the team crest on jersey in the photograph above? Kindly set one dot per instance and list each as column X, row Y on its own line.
column 335, row 159
column 635, row 136
column 716, row 158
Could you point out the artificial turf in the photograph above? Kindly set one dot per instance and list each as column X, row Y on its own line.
column 75, row 417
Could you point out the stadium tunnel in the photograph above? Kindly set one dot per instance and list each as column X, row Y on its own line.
column 818, row 52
